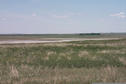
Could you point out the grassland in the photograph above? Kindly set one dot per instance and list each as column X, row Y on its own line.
column 42, row 36
column 77, row 62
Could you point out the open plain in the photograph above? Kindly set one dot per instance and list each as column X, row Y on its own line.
column 63, row 60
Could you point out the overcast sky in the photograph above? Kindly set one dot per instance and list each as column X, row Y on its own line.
column 62, row 16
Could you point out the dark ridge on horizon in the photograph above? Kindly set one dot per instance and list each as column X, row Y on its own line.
column 65, row 33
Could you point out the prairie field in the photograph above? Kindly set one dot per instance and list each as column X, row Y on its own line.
column 74, row 62
column 62, row 41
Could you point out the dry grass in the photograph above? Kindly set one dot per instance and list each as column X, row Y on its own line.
column 81, row 62
column 31, row 75
column 83, row 54
column 13, row 72
column 112, row 51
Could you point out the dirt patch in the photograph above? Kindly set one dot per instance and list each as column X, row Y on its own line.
column 49, row 40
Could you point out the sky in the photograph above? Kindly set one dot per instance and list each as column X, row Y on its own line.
column 62, row 16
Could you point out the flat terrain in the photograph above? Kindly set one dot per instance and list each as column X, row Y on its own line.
column 75, row 61
column 50, row 40
column 47, row 38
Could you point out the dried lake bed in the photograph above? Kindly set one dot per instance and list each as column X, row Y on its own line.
column 50, row 40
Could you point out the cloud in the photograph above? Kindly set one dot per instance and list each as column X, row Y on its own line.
column 34, row 14
column 3, row 18
column 60, row 16
column 120, row 15
column 66, row 15
column 74, row 14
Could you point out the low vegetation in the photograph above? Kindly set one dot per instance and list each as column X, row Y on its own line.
column 80, row 62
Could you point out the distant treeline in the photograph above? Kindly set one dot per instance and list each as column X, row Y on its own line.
column 66, row 35
column 49, row 34
column 90, row 34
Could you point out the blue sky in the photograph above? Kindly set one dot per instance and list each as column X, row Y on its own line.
column 62, row 16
